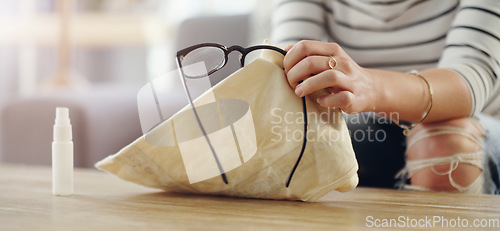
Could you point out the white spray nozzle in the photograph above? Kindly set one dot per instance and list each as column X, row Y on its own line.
column 62, row 126
column 62, row 116
column 62, row 112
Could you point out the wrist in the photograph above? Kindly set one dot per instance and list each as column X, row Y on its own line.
column 380, row 94
column 396, row 95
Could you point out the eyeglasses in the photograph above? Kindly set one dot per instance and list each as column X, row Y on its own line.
column 215, row 57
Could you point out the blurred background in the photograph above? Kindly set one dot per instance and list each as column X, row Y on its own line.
column 93, row 56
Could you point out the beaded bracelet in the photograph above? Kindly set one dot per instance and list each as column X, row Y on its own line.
column 407, row 128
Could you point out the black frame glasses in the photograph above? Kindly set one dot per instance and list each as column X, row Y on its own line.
column 243, row 51
column 226, row 51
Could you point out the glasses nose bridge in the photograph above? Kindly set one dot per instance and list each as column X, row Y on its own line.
column 241, row 50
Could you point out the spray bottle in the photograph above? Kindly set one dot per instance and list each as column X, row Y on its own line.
column 62, row 154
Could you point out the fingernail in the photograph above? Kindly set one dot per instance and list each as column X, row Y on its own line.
column 318, row 100
column 299, row 91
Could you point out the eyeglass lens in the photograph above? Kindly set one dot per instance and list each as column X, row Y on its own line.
column 213, row 58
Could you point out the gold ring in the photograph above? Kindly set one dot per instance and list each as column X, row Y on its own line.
column 332, row 63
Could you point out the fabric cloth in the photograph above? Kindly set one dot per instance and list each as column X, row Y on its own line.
column 462, row 35
column 255, row 124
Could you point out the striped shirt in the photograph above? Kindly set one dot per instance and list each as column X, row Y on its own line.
column 402, row 35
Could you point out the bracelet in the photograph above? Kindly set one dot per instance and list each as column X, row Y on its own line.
column 407, row 128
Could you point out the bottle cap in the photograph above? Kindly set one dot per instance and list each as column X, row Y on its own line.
column 62, row 125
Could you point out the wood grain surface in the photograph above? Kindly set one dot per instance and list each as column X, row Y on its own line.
column 104, row 202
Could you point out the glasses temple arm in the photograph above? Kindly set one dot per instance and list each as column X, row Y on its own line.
column 304, row 142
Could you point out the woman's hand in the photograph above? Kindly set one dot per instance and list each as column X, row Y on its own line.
column 352, row 88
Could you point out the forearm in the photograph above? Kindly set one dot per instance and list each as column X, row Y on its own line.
column 356, row 89
column 407, row 95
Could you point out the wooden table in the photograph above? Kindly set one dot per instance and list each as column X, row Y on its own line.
column 104, row 202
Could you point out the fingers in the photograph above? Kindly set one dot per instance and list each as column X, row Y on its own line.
column 310, row 63
column 308, row 48
column 331, row 79
column 307, row 67
column 342, row 100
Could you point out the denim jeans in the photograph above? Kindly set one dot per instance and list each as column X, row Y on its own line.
column 491, row 166
column 380, row 150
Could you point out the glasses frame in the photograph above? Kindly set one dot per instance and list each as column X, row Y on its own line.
column 244, row 52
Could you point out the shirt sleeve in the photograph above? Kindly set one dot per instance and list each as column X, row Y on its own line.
column 295, row 20
column 473, row 48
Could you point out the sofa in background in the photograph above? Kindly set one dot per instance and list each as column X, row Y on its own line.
column 104, row 116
